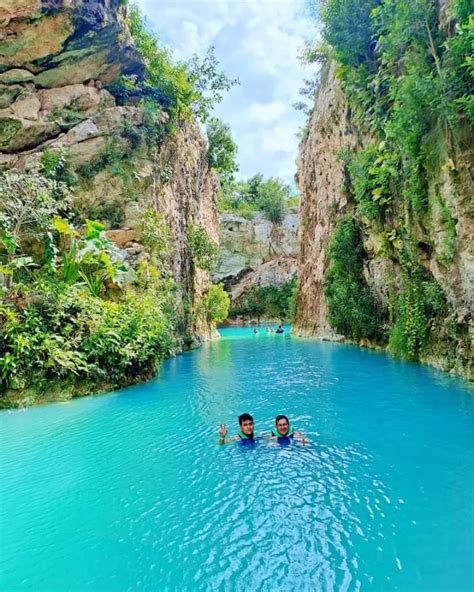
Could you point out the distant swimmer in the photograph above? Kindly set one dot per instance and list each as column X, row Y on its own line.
column 280, row 329
column 255, row 331
column 283, row 432
column 246, row 432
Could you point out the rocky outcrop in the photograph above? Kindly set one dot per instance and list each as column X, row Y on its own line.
column 255, row 252
column 55, row 58
column 321, row 179
column 325, row 199
column 53, row 44
column 247, row 243
column 276, row 272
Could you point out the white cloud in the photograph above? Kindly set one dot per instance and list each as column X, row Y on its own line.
column 257, row 41
column 266, row 113
column 280, row 138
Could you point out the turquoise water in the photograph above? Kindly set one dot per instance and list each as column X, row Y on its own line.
column 129, row 491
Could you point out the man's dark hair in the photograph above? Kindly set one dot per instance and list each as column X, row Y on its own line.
column 278, row 417
column 245, row 417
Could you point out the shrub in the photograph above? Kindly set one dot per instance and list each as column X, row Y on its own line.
column 216, row 304
column 374, row 178
column 203, row 251
column 276, row 302
column 352, row 308
column 221, row 150
column 347, row 28
column 182, row 89
column 72, row 333
column 418, row 303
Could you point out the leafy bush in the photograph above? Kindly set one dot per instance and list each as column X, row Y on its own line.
column 352, row 308
column 419, row 301
column 56, row 320
column 374, row 178
column 203, row 251
column 54, row 165
column 181, row 89
column 347, row 28
column 91, row 257
column 216, row 304
column 72, row 333
column 271, row 197
column 275, row 302
column 222, row 149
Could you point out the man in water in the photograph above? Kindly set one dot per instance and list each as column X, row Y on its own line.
column 283, row 431
column 246, row 432
column 280, row 329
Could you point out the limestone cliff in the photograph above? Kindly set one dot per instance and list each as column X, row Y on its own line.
column 255, row 252
column 326, row 198
column 56, row 59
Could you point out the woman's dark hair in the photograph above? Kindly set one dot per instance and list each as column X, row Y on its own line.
column 245, row 417
column 278, row 417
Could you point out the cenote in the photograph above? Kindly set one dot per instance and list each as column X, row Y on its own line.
column 129, row 491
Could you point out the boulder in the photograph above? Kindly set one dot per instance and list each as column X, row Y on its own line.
column 16, row 75
column 8, row 94
column 114, row 119
column 83, row 131
column 124, row 236
column 77, row 97
column 26, row 41
column 27, row 107
column 18, row 8
column 20, row 134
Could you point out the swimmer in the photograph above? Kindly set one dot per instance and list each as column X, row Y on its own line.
column 246, row 432
column 255, row 331
column 280, row 329
column 283, row 432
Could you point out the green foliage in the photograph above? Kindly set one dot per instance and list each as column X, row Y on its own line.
column 215, row 304
column 54, row 165
column 156, row 236
column 110, row 212
column 28, row 203
column 271, row 197
column 111, row 157
column 72, row 333
column 404, row 76
column 352, row 308
column 420, row 301
column 65, row 313
column 374, row 178
column 8, row 129
column 181, row 89
column 91, row 256
column 221, row 150
column 209, row 83
column 347, row 29
column 203, row 251
column 273, row 302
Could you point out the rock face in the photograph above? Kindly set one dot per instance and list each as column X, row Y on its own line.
column 55, row 58
column 324, row 200
column 320, row 179
column 256, row 252
column 54, row 44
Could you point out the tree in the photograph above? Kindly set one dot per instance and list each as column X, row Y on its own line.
column 273, row 196
column 222, row 150
column 347, row 28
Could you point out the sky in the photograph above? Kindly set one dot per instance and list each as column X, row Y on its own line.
column 258, row 42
